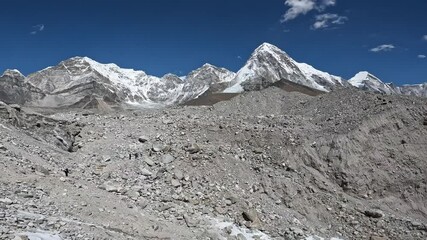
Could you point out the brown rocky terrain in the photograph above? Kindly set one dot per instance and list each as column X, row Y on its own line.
column 263, row 165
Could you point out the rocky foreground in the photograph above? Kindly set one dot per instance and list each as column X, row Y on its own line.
column 264, row 165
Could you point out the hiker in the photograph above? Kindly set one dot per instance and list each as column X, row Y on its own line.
column 66, row 171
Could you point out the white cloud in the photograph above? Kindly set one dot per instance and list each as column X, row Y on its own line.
column 422, row 56
column 298, row 7
column 37, row 28
column 328, row 19
column 302, row 7
column 383, row 48
column 425, row 37
column 324, row 4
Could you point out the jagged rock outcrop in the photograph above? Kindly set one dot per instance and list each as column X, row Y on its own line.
column 12, row 87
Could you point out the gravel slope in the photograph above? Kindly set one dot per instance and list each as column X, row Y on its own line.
column 346, row 164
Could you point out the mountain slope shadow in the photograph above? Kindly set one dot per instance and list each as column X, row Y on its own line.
column 210, row 99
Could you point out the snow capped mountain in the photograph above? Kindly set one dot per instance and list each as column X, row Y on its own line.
column 419, row 90
column 82, row 82
column 208, row 78
column 12, row 73
column 78, row 81
column 368, row 82
column 268, row 64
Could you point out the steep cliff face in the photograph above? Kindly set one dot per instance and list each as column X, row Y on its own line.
column 12, row 87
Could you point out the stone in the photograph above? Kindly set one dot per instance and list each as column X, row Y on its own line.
column 41, row 170
column 193, row 148
column 258, row 151
column 175, row 183
column 178, row 174
column 190, row 221
column 142, row 203
column 133, row 194
column 221, row 210
column 106, row 158
column 233, row 199
column 297, row 231
column 2, row 147
column 251, row 216
column 112, row 188
column 16, row 107
column 149, row 162
column 167, row 158
column 157, row 148
column 146, row 172
column 374, row 213
column 142, row 139
column 6, row 201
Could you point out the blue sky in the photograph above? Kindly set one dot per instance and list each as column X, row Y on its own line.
column 387, row 38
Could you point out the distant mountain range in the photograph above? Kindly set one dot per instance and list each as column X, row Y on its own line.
column 84, row 83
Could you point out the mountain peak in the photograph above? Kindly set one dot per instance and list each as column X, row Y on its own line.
column 267, row 47
column 208, row 65
column 269, row 64
column 13, row 73
column 360, row 78
column 367, row 81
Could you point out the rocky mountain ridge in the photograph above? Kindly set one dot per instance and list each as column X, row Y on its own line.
column 84, row 83
column 368, row 82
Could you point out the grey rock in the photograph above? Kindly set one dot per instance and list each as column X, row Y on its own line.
column 6, row 201
column 374, row 213
column 297, row 231
column 157, row 148
column 175, row 183
column 110, row 187
column 167, row 158
column 191, row 222
column 178, row 174
column 149, row 162
column 146, row 172
column 193, row 148
column 143, row 139
column 2, row 147
column 258, row 150
column 251, row 215
column 106, row 158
